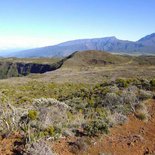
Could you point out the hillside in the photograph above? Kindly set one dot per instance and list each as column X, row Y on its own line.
column 20, row 67
column 85, row 103
column 144, row 46
column 12, row 67
column 85, row 60
column 93, row 58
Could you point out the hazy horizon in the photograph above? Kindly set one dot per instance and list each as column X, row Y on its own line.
column 37, row 23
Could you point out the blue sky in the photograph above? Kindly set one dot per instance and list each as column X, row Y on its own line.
column 32, row 23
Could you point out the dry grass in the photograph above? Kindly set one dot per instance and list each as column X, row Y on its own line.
column 91, row 67
column 89, row 74
column 31, row 60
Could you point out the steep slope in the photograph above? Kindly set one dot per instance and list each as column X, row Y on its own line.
column 111, row 44
column 14, row 69
column 148, row 40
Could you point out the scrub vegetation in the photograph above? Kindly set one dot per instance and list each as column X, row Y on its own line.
column 42, row 112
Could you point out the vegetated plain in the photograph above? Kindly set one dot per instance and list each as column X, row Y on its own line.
column 75, row 106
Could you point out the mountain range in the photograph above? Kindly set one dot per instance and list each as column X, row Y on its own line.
column 144, row 46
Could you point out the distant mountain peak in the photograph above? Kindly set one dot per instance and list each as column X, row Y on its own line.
column 145, row 45
column 148, row 40
column 148, row 37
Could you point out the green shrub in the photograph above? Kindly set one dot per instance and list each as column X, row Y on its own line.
column 70, row 116
column 95, row 127
column 105, row 90
column 91, row 102
column 145, row 84
column 152, row 82
column 23, row 99
column 32, row 114
column 51, row 130
column 101, row 112
column 122, row 83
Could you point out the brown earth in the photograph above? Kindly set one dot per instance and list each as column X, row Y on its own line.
column 135, row 137
column 7, row 145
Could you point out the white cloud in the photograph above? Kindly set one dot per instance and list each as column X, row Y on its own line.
column 25, row 42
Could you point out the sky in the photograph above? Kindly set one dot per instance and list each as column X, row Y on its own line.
column 37, row 23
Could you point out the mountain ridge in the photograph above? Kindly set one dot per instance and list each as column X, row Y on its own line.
column 143, row 46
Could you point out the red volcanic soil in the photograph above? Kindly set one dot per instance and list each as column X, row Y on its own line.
column 8, row 144
column 135, row 137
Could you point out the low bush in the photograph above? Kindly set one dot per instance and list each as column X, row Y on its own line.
column 122, row 83
column 145, row 84
column 32, row 114
column 144, row 95
column 65, row 108
column 95, row 127
column 111, row 100
column 117, row 118
column 141, row 116
column 38, row 148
